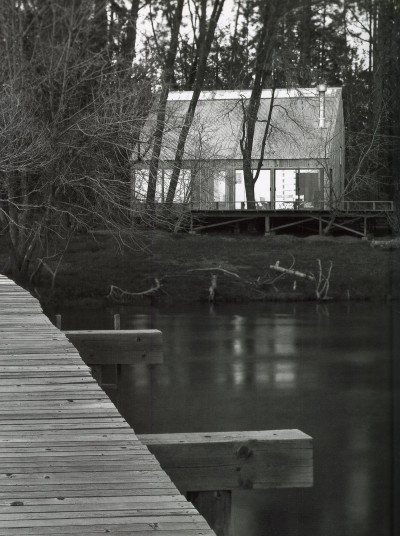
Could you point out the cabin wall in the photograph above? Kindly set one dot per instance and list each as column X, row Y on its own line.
column 337, row 159
column 204, row 192
column 214, row 181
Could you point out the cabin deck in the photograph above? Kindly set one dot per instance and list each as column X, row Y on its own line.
column 70, row 464
column 354, row 217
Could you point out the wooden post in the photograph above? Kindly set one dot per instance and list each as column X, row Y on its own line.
column 117, row 321
column 58, row 321
column 111, row 347
column 215, row 507
column 319, row 226
column 117, row 326
column 105, row 351
column 208, row 466
column 267, row 225
column 365, row 234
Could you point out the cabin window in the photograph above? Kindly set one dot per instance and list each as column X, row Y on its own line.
column 298, row 188
column 183, row 188
column 140, row 181
column 309, row 188
column 285, row 189
column 220, row 186
column 262, row 189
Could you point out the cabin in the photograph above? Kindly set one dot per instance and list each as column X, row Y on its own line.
column 302, row 165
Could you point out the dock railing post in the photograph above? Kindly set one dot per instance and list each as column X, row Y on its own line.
column 207, row 467
column 117, row 326
column 215, row 507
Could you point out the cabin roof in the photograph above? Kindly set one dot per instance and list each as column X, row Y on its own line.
column 218, row 122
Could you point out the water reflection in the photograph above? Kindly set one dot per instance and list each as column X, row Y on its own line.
column 322, row 369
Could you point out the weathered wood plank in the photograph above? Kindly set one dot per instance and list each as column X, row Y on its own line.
column 118, row 347
column 69, row 463
column 235, row 460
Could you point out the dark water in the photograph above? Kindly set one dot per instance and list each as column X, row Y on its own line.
column 325, row 370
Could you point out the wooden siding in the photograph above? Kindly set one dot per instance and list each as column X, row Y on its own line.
column 70, row 464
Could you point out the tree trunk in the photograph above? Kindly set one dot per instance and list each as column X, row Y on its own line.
column 157, row 143
column 160, row 122
column 206, row 37
column 129, row 43
column 263, row 69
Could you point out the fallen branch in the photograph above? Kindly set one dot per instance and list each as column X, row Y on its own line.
column 393, row 243
column 120, row 295
column 290, row 271
column 322, row 282
column 213, row 269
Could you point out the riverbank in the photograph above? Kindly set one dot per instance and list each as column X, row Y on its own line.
column 181, row 268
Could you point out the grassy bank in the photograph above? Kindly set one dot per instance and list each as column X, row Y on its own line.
column 185, row 264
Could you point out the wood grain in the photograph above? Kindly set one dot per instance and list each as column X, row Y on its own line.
column 69, row 463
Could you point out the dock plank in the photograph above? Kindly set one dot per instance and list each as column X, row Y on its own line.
column 69, row 463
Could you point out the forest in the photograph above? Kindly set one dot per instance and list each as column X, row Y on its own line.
column 80, row 77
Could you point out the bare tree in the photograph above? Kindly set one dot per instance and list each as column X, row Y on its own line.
column 205, row 39
column 270, row 14
column 167, row 79
column 67, row 121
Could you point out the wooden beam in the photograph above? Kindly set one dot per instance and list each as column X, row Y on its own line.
column 333, row 224
column 118, row 347
column 297, row 222
column 227, row 222
column 234, row 460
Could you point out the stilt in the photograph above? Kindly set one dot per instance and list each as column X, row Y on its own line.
column 319, row 226
column 215, row 506
column 58, row 321
column 118, row 367
column 365, row 235
column 267, row 226
column 117, row 321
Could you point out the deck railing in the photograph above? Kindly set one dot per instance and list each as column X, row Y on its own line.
column 262, row 206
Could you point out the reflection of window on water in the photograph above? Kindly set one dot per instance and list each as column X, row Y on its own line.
column 285, row 373
column 238, row 372
column 237, row 322
column 263, row 372
column 284, row 337
column 237, row 347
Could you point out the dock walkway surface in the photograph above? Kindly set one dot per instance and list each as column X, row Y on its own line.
column 70, row 464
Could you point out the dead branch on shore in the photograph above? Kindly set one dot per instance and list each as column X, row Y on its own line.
column 213, row 269
column 321, row 280
column 290, row 271
column 117, row 294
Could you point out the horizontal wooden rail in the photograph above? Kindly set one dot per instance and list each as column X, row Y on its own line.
column 234, row 460
column 118, row 347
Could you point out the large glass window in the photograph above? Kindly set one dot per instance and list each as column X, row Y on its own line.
column 310, row 193
column 140, row 183
column 220, row 186
column 285, row 189
column 297, row 189
column 262, row 189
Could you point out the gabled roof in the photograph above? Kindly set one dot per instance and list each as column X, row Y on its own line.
column 217, row 127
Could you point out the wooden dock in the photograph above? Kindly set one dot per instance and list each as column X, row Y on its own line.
column 70, row 464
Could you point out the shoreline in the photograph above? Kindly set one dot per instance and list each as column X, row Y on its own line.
column 168, row 269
